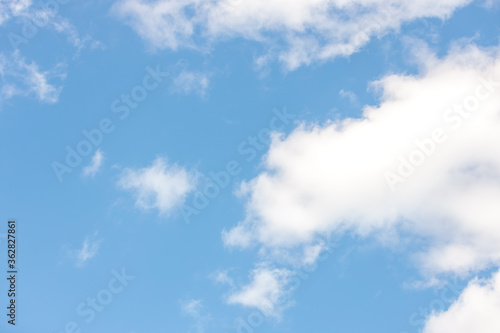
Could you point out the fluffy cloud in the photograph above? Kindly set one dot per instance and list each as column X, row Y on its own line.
column 267, row 291
column 297, row 32
column 160, row 186
column 477, row 310
column 424, row 162
column 21, row 78
column 95, row 165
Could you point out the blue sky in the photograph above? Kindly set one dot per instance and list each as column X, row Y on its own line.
column 252, row 166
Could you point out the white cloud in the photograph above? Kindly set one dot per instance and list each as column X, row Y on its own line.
column 477, row 310
column 297, row 32
column 163, row 23
column 160, row 186
column 22, row 78
column 331, row 178
column 267, row 291
column 73, row 37
column 187, row 82
column 89, row 250
column 95, row 164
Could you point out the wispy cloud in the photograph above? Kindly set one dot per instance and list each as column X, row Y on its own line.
column 195, row 309
column 22, row 78
column 73, row 37
column 222, row 277
column 13, row 8
column 95, row 164
column 191, row 82
column 47, row 17
column 89, row 249
column 351, row 96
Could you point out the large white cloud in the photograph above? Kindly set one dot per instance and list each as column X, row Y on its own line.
column 477, row 310
column 420, row 162
column 297, row 32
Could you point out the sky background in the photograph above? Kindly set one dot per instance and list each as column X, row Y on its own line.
column 125, row 206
